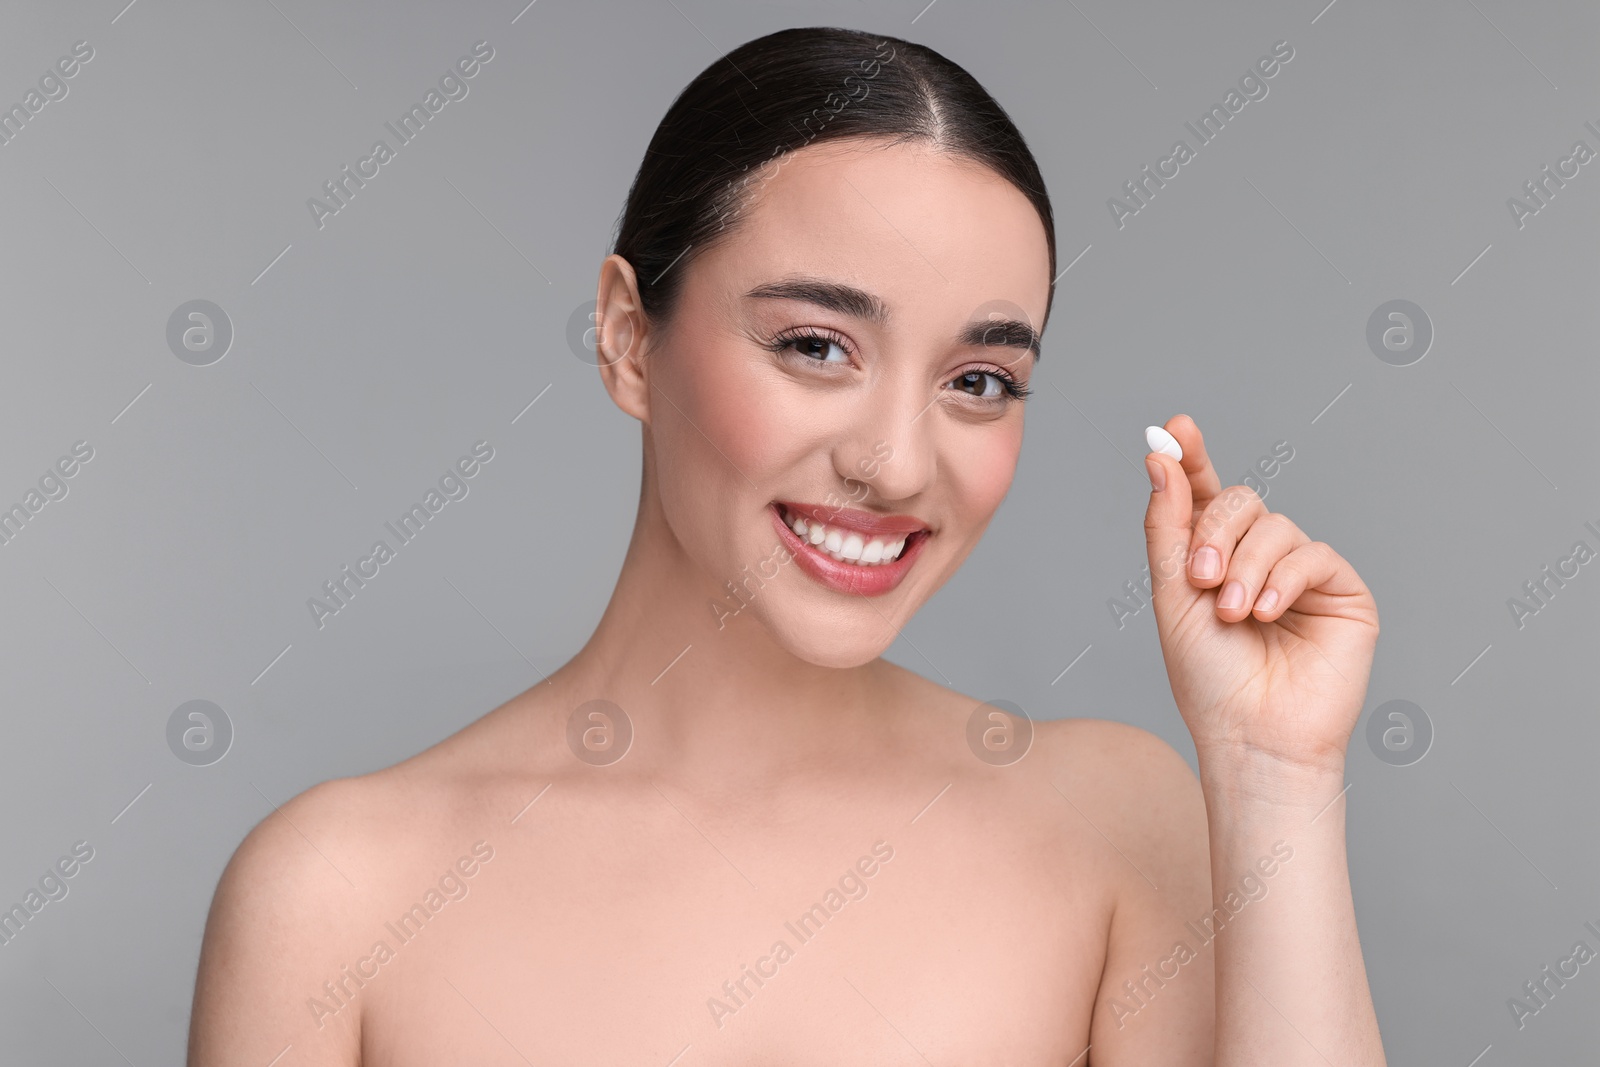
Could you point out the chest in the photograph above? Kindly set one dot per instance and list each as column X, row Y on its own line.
column 862, row 945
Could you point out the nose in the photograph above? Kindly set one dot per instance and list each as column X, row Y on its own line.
column 891, row 453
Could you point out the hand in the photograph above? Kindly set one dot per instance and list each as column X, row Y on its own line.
column 1283, row 670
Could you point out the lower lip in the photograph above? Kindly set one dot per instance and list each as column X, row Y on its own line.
column 874, row 580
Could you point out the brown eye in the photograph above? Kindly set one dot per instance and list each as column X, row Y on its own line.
column 812, row 346
column 976, row 383
column 991, row 386
column 818, row 346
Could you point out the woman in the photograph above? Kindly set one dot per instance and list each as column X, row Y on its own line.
column 727, row 831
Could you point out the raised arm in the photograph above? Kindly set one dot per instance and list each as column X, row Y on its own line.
column 1268, row 639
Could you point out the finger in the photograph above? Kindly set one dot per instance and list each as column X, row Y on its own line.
column 1203, row 481
column 1167, row 521
column 1217, row 532
column 1270, row 538
column 1313, row 579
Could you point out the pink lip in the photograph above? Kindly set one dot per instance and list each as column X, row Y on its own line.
column 861, row 521
column 850, row 577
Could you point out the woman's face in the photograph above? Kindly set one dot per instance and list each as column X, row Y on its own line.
column 842, row 357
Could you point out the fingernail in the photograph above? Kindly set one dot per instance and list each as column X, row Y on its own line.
column 1232, row 596
column 1206, row 563
column 1161, row 441
column 1267, row 601
column 1158, row 475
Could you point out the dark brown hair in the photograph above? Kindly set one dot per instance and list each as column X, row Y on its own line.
column 782, row 92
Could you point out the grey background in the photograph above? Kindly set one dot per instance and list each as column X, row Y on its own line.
column 429, row 313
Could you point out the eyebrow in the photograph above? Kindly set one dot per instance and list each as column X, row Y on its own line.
column 860, row 304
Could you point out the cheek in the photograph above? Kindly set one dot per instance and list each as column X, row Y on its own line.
column 739, row 417
column 984, row 466
column 731, row 417
column 718, row 441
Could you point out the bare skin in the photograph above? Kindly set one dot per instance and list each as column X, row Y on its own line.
column 605, row 921
column 590, row 908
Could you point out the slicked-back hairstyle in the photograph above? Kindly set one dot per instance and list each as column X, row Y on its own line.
column 732, row 126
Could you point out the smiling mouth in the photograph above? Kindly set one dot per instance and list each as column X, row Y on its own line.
column 847, row 544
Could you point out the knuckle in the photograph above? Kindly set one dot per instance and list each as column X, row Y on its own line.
column 1322, row 549
column 1240, row 496
column 1278, row 521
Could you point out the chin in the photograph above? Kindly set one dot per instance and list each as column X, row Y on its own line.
column 841, row 646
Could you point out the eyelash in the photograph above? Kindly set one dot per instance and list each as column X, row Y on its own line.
column 1014, row 390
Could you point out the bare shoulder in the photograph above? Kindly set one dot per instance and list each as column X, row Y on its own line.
column 277, row 928
column 360, row 832
column 1122, row 811
column 1129, row 779
column 1118, row 776
column 1116, row 755
column 301, row 896
column 1117, row 760
column 1146, row 805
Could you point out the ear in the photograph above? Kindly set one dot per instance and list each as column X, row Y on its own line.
column 621, row 335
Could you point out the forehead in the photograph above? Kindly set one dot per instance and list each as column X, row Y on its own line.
column 935, row 236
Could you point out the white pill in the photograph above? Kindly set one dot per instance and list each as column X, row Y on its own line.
column 1161, row 441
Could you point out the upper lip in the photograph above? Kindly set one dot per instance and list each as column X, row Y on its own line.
column 862, row 521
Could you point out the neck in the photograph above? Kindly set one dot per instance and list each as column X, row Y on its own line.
column 715, row 699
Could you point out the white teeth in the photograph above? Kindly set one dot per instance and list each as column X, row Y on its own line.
column 847, row 546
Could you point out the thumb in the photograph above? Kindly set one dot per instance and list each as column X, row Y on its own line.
column 1167, row 525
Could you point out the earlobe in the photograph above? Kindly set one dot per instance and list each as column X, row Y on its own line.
column 620, row 338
